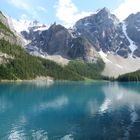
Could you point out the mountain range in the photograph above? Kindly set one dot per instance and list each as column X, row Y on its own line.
column 98, row 36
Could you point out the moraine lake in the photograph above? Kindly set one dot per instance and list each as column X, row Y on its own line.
column 70, row 111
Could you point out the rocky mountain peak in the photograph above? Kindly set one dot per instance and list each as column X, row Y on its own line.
column 133, row 31
column 35, row 22
column 104, row 32
column 104, row 11
column 105, row 16
column 56, row 27
column 101, row 30
column 133, row 16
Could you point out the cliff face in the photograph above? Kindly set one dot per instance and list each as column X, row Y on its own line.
column 58, row 40
column 6, row 32
column 105, row 33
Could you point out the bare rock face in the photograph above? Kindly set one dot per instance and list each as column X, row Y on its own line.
column 58, row 40
column 4, row 58
column 3, row 19
column 53, row 41
column 81, row 48
column 104, row 31
column 6, row 32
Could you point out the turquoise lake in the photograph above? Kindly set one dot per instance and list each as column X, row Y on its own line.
column 70, row 111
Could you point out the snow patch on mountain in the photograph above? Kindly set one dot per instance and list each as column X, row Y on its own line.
column 104, row 57
column 132, row 45
column 25, row 25
column 21, row 25
column 43, row 28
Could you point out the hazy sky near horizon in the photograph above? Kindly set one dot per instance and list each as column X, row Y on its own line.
column 65, row 12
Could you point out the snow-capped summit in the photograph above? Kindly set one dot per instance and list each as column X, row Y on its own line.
column 26, row 25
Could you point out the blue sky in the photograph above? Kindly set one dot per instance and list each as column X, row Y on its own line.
column 65, row 12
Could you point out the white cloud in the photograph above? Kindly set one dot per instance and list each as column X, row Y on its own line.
column 41, row 9
column 55, row 104
column 24, row 16
column 28, row 7
column 126, row 8
column 21, row 4
column 68, row 13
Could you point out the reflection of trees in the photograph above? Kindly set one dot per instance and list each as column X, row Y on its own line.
column 30, row 103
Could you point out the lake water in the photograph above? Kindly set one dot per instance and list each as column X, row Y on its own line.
column 70, row 111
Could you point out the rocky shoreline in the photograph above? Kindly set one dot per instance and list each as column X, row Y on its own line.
column 39, row 78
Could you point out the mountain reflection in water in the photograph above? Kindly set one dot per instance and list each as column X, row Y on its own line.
column 69, row 110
